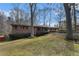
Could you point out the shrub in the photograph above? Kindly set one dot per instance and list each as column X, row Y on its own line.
column 18, row 36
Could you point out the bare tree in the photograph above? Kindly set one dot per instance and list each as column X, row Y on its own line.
column 1, row 21
column 59, row 12
column 44, row 12
column 15, row 13
column 18, row 15
column 32, row 13
column 50, row 12
column 16, row 10
column 50, row 17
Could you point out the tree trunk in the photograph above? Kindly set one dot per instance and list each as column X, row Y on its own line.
column 44, row 17
column 60, row 25
column 50, row 18
column 32, row 28
column 74, row 16
column 69, row 35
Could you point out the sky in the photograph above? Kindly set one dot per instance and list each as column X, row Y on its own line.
column 6, row 7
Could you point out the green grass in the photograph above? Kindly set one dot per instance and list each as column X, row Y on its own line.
column 1, row 33
column 51, row 44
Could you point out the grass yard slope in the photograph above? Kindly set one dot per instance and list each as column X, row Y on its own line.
column 47, row 45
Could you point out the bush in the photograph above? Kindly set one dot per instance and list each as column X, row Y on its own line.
column 18, row 36
column 41, row 33
column 25, row 35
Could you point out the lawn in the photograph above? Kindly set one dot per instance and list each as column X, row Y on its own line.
column 1, row 33
column 47, row 45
